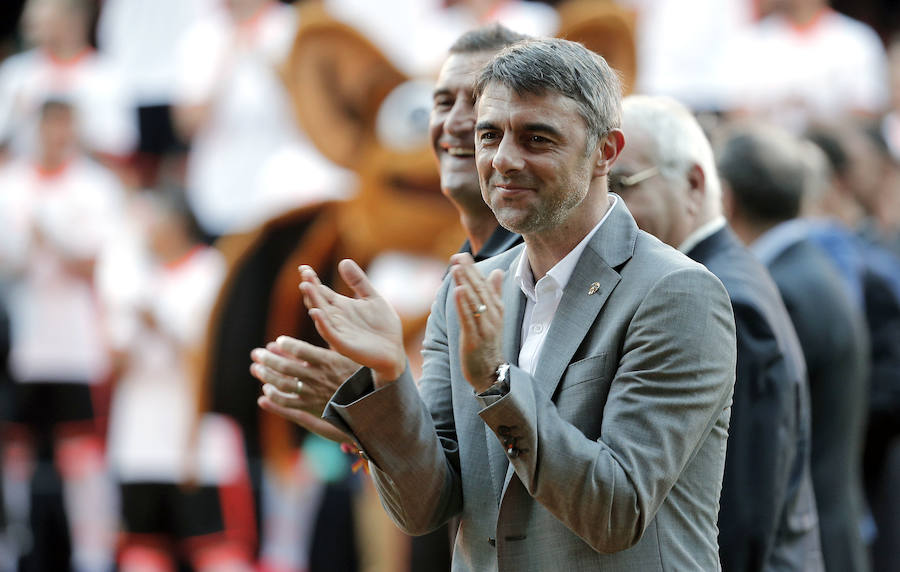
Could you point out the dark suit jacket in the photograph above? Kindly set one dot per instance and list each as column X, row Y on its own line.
column 767, row 518
column 836, row 347
column 499, row 242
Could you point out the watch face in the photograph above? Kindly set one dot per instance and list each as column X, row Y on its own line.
column 503, row 372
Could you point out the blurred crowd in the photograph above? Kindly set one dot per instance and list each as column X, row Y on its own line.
column 145, row 146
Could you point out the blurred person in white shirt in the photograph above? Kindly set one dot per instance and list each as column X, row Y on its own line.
column 248, row 160
column 183, row 482
column 62, row 63
column 57, row 211
column 805, row 63
column 140, row 40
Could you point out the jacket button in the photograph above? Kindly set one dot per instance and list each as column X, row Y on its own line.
column 492, row 541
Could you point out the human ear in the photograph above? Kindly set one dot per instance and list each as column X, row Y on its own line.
column 696, row 189
column 608, row 150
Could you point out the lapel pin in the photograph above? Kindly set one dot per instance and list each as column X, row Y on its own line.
column 593, row 289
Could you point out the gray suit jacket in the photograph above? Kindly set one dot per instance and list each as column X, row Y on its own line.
column 610, row 457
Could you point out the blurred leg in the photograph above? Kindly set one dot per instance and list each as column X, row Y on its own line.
column 90, row 501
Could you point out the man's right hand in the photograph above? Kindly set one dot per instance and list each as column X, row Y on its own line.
column 299, row 380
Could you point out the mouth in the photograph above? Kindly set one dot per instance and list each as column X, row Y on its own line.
column 510, row 190
column 462, row 152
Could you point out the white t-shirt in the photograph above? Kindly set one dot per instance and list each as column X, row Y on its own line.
column 140, row 39
column 153, row 406
column 45, row 220
column 830, row 68
column 236, row 174
column 679, row 46
column 418, row 33
column 104, row 121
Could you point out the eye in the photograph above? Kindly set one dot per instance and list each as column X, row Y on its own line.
column 488, row 136
column 538, row 139
column 443, row 102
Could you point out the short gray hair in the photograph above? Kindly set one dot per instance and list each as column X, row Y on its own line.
column 560, row 66
column 491, row 38
column 678, row 140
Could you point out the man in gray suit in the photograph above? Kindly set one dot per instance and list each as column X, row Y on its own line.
column 574, row 404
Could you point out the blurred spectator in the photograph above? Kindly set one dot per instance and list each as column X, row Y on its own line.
column 248, row 159
column 674, row 47
column 63, row 64
column 139, row 39
column 872, row 175
column 806, row 62
column 57, row 211
column 875, row 274
column 419, row 33
column 178, row 469
column 764, row 180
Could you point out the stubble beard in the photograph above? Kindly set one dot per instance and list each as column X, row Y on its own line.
column 544, row 214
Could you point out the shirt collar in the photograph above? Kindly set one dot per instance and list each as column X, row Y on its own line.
column 705, row 231
column 779, row 238
column 562, row 270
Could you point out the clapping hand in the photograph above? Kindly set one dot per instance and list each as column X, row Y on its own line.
column 365, row 329
column 299, row 379
column 480, row 309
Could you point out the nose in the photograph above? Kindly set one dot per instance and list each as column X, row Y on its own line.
column 508, row 157
column 461, row 118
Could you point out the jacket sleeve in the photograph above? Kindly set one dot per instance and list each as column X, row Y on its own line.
column 673, row 383
column 408, row 434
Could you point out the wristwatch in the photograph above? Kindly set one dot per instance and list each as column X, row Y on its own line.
column 501, row 382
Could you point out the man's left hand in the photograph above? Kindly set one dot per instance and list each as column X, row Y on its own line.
column 480, row 309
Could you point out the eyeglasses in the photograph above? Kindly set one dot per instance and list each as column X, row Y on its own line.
column 618, row 183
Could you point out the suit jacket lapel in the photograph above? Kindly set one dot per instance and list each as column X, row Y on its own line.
column 589, row 287
column 593, row 280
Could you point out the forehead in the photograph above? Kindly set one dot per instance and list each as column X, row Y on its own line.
column 461, row 70
column 499, row 102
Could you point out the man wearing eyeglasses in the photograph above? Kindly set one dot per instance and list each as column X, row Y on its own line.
column 668, row 179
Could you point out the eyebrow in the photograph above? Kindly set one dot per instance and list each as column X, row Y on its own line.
column 441, row 91
column 543, row 128
column 529, row 127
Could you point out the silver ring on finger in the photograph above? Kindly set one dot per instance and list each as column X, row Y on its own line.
column 299, row 389
column 479, row 310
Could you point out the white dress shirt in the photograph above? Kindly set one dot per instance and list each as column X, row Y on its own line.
column 542, row 299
